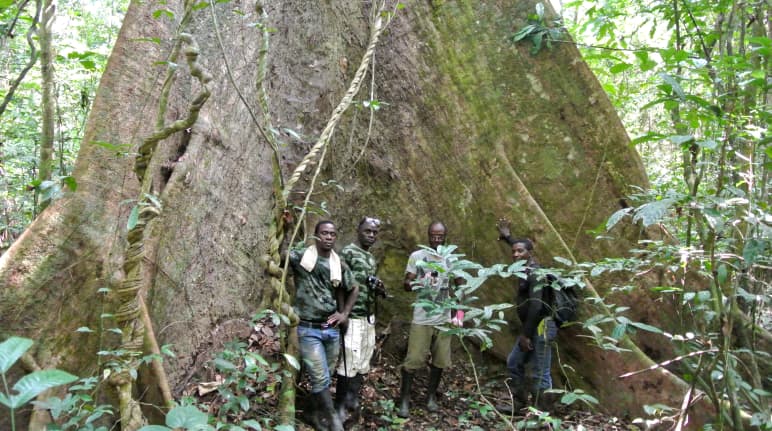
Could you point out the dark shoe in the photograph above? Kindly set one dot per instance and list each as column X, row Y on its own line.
column 519, row 398
column 328, row 409
column 435, row 375
column 341, row 396
column 546, row 401
column 354, row 383
column 404, row 395
column 316, row 417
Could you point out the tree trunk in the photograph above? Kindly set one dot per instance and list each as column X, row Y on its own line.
column 46, row 161
column 470, row 128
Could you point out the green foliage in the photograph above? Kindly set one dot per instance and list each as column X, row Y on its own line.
column 77, row 411
column 539, row 32
column 690, row 80
column 32, row 384
column 84, row 32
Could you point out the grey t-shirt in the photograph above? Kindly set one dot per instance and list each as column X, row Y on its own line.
column 436, row 290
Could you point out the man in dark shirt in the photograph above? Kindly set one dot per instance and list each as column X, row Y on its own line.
column 324, row 295
column 359, row 339
column 538, row 327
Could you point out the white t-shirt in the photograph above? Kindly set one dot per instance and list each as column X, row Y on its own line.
column 434, row 289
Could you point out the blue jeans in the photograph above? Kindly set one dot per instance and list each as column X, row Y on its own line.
column 540, row 358
column 319, row 350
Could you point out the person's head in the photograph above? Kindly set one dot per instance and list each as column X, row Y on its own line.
column 367, row 232
column 326, row 234
column 521, row 249
column 437, row 232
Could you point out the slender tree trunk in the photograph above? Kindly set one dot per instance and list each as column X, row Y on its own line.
column 45, row 35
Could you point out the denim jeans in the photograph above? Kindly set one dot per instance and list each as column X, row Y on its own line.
column 540, row 358
column 319, row 350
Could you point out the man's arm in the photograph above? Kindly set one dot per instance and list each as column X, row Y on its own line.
column 345, row 304
column 408, row 283
column 503, row 226
column 535, row 304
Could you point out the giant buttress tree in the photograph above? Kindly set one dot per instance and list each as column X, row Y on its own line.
column 470, row 127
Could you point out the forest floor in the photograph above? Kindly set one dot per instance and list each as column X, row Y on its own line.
column 462, row 406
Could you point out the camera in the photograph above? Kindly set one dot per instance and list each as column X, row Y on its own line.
column 376, row 284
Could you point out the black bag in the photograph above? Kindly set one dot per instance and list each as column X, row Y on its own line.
column 564, row 300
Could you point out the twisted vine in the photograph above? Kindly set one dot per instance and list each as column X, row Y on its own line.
column 132, row 315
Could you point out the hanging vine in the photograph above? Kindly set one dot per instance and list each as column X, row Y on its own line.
column 132, row 315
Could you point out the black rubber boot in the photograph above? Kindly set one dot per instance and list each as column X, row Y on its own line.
column 316, row 417
column 545, row 401
column 354, row 384
column 328, row 410
column 519, row 398
column 404, row 395
column 341, row 396
column 435, row 375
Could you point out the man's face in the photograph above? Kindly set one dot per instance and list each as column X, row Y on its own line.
column 519, row 252
column 436, row 236
column 326, row 236
column 367, row 234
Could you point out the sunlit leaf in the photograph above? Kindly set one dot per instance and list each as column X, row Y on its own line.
column 11, row 350
column 186, row 417
column 31, row 385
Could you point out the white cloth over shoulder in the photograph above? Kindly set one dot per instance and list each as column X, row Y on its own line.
column 308, row 262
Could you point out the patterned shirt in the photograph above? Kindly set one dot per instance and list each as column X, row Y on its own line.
column 437, row 293
column 362, row 264
column 314, row 294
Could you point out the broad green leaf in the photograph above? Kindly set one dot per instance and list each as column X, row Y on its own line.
column 253, row 424
column 5, row 3
column 31, row 385
column 163, row 12
column 709, row 144
column 680, row 139
column 524, row 32
column 619, row 331
column 4, row 400
column 620, row 67
column 722, row 274
column 645, row 63
column 155, row 428
column 186, row 417
column 224, row 365
column 243, row 402
column 674, row 85
column 70, row 183
column 88, row 64
column 646, row 327
column 653, row 212
column 616, row 217
column 284, row 428
column 11, row 350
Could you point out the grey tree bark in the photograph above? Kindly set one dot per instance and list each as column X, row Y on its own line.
column 471, row 127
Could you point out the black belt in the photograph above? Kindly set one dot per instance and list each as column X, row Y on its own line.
column 314, row 325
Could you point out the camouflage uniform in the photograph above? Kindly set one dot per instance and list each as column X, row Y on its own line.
column 359, row 340
column 314, row 302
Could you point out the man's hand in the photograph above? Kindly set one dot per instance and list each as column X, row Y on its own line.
column 525, row 343
column 503, row 227
column 458, row 318
column 337, row 319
